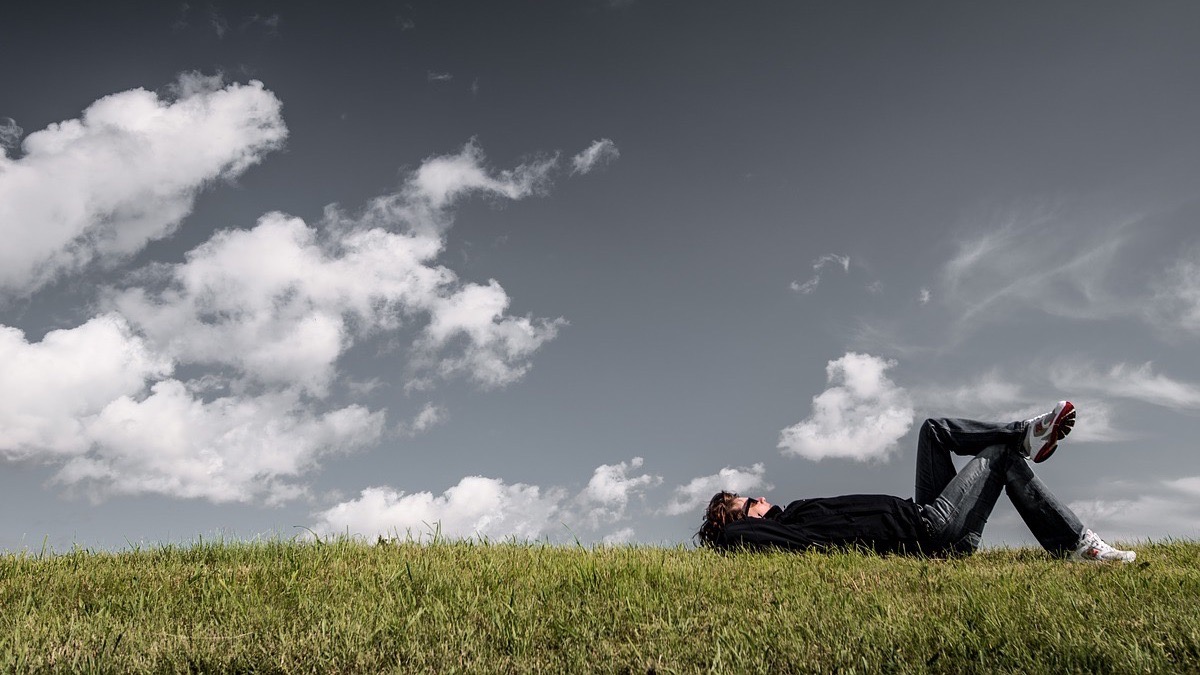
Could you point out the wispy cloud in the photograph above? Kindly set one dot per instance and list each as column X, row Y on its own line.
column 438, row 76
column 887, row 336
column 1056, row 262
column 269, row 23
column 1188, row 486
column 811, row 285
column 988, row 393
column 596, row 155
column 806, row 287
column 428, row 417
column 994, row 396
column 860, row 416
column 218, row 23
column 1139, row 382
column 10, row 133
column 1175, row 305
column 1169, row 508
column 181, row 19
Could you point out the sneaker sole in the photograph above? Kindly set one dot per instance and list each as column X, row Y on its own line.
column 1062, row 425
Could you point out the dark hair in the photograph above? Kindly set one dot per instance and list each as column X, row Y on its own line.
column 720, row 512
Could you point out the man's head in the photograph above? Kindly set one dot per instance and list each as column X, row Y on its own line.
column 727, row 507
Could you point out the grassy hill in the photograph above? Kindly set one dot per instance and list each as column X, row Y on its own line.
column 350, row 607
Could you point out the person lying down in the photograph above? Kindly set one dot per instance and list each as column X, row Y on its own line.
column 948, row 511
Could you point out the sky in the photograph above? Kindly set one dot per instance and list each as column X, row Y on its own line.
column 560, row 271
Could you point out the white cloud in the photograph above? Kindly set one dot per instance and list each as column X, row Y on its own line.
column 431, row 415
column 476, row 506
column 811, row 285
column 281, row 302
column 100, row 187
column 860, row 417
column 51, row 391
column 621, row 536
column 697, row 492
column 596, row 155
column 231, row 449
column 611, row 488
column 924, row 296
column 498, row 346
column 277, row 303
column 75, row 399
column 1124, row 380
column 442, row 179
column 439, row 77
column 489, row 507
column 212, row 378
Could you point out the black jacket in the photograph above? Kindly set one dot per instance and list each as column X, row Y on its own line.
column 882, row 523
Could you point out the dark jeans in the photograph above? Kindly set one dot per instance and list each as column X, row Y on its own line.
column 956, row 505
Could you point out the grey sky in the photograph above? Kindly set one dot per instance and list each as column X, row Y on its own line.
column 998, row 201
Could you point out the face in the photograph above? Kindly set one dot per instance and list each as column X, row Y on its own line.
column 753, row 507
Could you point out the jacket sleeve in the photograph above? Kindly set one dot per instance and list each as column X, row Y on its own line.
column 759, row 533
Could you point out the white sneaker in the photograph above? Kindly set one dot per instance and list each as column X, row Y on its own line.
column 1045, row 431
column 1093, row 549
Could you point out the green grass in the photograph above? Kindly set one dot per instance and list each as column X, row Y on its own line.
column 350, row 607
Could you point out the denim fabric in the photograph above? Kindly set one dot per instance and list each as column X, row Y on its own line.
column 956, row 505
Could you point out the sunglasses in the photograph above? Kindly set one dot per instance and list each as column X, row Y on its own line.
column 750, row 501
